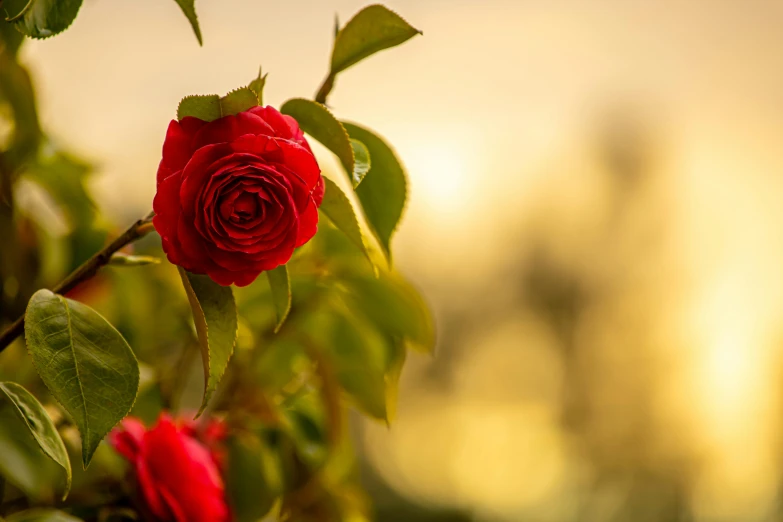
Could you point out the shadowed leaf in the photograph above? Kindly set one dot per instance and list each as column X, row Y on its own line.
column 281, row 293
column 42, row 515
column 215, row 316
column 339, row 209
column 84, row 361
column 35, row 418
column 41, row 18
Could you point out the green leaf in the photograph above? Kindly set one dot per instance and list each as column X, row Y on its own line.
column 358, row 355
column 84, row 361
column 281, row 293
column 395, row 307
column 120, row 259
column 41, row 18
column 215, row 316
column 188, row 7
column 237, row 101
column 392, row 378
column 210, row 107
column 23, row 463
column 316, row 120
column 42, row 515
column 33, row 415
column 384, row 189
column 10, row 39
column 254, row 479
column 373, row 29
column 257, row 86
column 361, row 162
column 204, row 107
column 339, row 209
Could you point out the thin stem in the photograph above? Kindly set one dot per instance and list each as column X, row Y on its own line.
column 325, row 89
column 88, row 269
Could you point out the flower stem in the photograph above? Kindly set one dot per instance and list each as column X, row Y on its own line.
column 88, row 269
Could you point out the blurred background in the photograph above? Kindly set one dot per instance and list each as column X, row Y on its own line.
column 594, row 217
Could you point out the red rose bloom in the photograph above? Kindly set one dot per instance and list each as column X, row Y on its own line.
column 236, row 195
column 177, row 477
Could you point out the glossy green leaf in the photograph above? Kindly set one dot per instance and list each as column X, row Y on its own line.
column 42, row 515
column 281, row 293
column 32, row 414
column 188, row 7
column 237, row 101
column 316, row 120
column 120, row 259
column 41, row 18
column 257, row 86
column 339, row 209
column 384, row 190
column 84, row 361
column 204, row 107
column 23, row 463
column 361, row 162
column 215, row 317
column 373, row 29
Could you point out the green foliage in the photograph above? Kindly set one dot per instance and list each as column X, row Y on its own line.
column 86, row 364
column 372, row 29
column 237, row 101
column 280, row 285
column 188, row 7
column 24, row 465
column 41, row 18
column 257, row 86
column 385, row 187
column 42, row 515
column 361, row 162
column 340, row 211
column 32, row 414
column 215, row 317
column 255, row 477
column 204, row 107
column 316, row 120
column 210, row 107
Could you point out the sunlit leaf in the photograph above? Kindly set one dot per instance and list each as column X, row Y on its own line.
column 204, row 107
column 84, row 361
column 383, row 191
column 215, row 317
column 339, row 209
column 41, row 18
column 257, row 86
column 188, row 7
column 316, row 120
column 32, row 414
column 361, row 162
column 373, row 29
column 42, row 515
column 281, row 293
column 238, row 100
column 120, row 259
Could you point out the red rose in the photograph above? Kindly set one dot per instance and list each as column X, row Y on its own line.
column 236, row 195
column 177, row 476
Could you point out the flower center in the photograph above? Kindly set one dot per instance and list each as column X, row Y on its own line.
column 245, row 207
